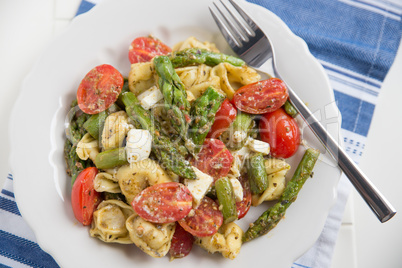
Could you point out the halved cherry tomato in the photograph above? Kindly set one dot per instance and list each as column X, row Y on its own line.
column 182, row 243
column 163, row 203
column 223, row 118
column 282, row 133
column 99, row 89
column 261, row 97
column 84, row 198
column 244, row 206
column 214, row 159
column 143, row 49
column 206, row 220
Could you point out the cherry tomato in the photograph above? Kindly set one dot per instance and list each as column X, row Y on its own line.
column 163, row 202
column 214, row 159
column 206, row 220
column 282, row 133
column 223, row 118
column 244, row 206
column 99, row 89
column 182, row 243
column 84, row 198
column 261, row 97
column 143, row 49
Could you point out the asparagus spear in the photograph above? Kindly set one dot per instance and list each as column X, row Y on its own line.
column 174, row 94
column 290, row 109
column 94, row 124
column 111, row 158
column 196, row 56
column 74, row 133
column 203, row 114
column 74, row 164
column 226, row 198
column 236, row 135
column 270, row 218
column 257, row 175
column 163, row 148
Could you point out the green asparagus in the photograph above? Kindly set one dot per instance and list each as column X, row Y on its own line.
column 290, row 109
column 124, row 89
column 111, row 158
column 270, row 218
column 236, row 135
column 174, row 94
column 166, row 152
column 203, row 115
column 74, row 133
column 257, row 175
column 226, row 198
column 94, row 124
column 74, row 164
column 196, row 56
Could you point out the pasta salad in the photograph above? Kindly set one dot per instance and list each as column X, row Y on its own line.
column 175, row 153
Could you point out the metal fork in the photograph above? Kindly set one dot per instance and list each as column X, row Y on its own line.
column 250, row 43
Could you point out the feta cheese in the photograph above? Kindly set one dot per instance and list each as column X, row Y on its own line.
column 238, row 136
column 138, row 145
column 237, row 189
column 199, row 187
column 239, row 158
column 258, row 146
column 150, row 97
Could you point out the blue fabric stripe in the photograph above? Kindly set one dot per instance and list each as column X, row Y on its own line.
column 10, row 177
column 300, row 265
column 391, row 4
column 377, row 7
column 33, row 255
column 329, row 29
column 85, row 6
column 359, row 113
column 361, row 88
column 350, row 75
column 4, row 266
column 8, row 205
column 7, row 193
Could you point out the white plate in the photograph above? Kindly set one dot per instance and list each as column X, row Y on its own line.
column 102, row 36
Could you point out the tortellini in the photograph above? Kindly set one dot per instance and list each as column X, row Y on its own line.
column 87, row 147
column 232, row 77
column 115, row 130
column 192, row 42
column 154, row 239
column 137, row 176
column 227, row 241
column 197, row 79
column 276, row 170
column 109, row 222
column 141, row 77
column 224, row 77
column 105, row 182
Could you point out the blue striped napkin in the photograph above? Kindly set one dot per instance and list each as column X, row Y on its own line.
column 356, row 42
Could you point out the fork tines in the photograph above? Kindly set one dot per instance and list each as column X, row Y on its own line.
column 239, row 30
column 231, row 23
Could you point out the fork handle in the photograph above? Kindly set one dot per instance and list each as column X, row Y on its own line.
column 376, row 201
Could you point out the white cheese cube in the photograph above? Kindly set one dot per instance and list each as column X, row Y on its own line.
column 237, row 189
column 150, row 97
column 239, row 158
column 238, row 136
column 138, row 145
column 258, row 146
column 199, row 187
